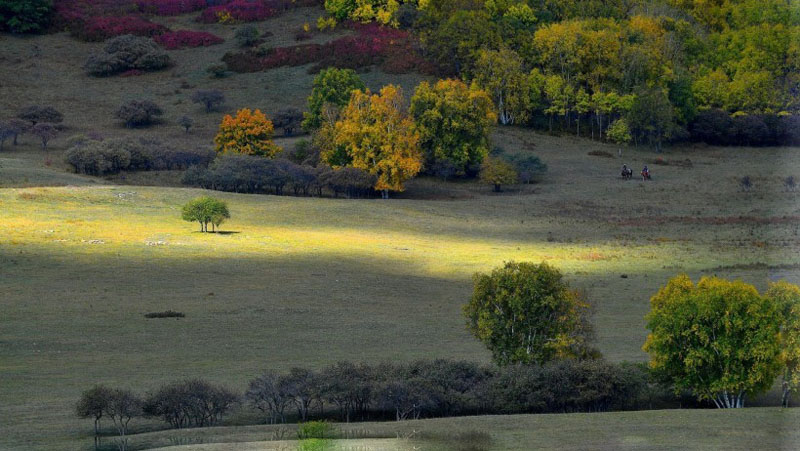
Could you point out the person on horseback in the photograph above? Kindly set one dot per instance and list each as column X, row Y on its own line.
column 645, row 173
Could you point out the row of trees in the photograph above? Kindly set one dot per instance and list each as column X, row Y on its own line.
column 719, row 340
column 350, row 391
column 445, row 130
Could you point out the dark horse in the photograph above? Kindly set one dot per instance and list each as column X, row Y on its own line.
column 627, row 173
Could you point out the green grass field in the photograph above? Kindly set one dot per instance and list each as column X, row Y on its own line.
column 757, row 428
column 308, row 281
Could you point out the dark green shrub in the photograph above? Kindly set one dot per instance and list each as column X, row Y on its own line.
column 127, row 53
column 25, row 16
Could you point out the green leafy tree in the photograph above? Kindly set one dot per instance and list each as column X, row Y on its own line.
column 718, row 338
column 527, row 313
column 787, row 298
column 453, row 121
column 206, row 210
column 500, row 73
column 332, row 87
column 498, row 172
column 652, row 117
column 25, row 16
column 619, row 132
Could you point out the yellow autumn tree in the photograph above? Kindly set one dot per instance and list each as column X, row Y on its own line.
column 377, row 136
column 249, row 133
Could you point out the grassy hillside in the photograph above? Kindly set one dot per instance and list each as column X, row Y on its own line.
column 308, row 281
column 302, row 281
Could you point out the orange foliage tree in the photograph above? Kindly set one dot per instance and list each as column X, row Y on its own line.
column 377, row 136
column 249, row 133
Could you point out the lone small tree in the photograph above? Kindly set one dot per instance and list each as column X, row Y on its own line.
column 209, row 98
column 45, row 132
column 497, row 172
column 719, row 339
column 37, row 113
column 186, row 122
column 206, row 210
column 247, row 35
column 527, row 313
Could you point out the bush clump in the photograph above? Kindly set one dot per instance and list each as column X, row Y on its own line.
column 115, row 155
column 25, row 16
column 97, row 29
column 125, row 53
column 138, row 113
column 180, row 39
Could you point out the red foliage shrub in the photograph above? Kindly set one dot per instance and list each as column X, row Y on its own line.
column 102, row 28
column 170, row 7
column 394, row 50
column 239, row 11
column 186, row 38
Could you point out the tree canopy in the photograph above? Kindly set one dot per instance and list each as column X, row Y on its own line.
column 453, row 121
column 332, row 87
column 249, row 133
column 206, row 210
column 717, row 338
column 527, row 313
column 377, row 135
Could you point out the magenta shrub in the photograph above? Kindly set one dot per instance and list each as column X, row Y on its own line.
column 395, row 51
column 170, row 7
column 102, row 28
column 173, row 40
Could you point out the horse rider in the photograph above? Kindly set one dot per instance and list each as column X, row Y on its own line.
column 645, row 172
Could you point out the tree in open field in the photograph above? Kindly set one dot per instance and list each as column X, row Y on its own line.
column 25, row 16
column 38, row 113
column 498, row 172
column 249, row 133
column 206, row 210
column 378, row 136
column 139, row 113
column 186, row 122
column 209, row 98
column 192, row 402
column 127, row 52
column 718, row 338
column 787, row 298
column 453, row 121
column 45, row 131
column 527, row 313
column 331, row 87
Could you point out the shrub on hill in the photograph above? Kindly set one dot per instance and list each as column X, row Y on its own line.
column 394, row 50
column 25, row 16
column 139, row 113
column 209, row 98
column 114, row 155
column 96, row 29
column 173, row 40
column 125, row 53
